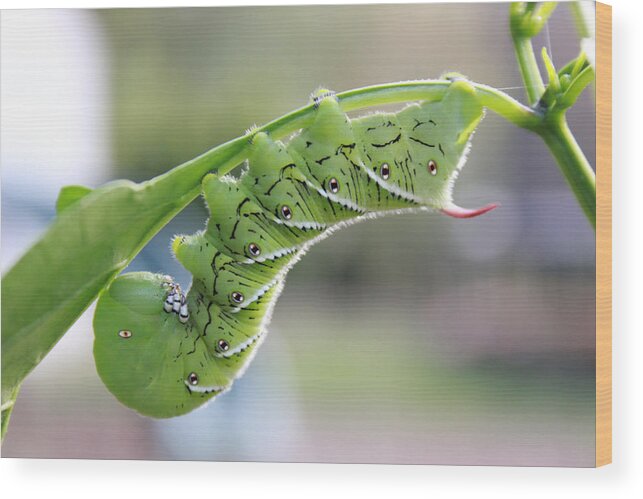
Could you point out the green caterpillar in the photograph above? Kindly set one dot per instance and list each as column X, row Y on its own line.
column 163, row 352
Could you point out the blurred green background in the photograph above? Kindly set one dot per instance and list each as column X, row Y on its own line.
column 408, row 339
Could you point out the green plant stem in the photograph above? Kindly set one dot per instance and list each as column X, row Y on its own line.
column 526, row 21
column 7, row 407
column 6, row 416
column 572, row 162
column 534, row 85
column 226, row 156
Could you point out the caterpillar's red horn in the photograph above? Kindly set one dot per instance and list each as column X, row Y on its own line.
column 458, row 212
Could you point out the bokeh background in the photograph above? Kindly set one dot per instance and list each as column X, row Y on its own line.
column 408, row 339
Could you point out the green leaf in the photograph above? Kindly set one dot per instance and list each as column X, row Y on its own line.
column 94, row 237
column 88, row 244
column 69, row 195
column 554, row 82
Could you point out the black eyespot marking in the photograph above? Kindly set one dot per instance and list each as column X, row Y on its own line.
column 433, row 167
column 223, row 345
column 254, row 250
column 385, row 171
column 333, row 185
column 237, row 297
column 125, row 333
column 286, row 212
column 193, row 379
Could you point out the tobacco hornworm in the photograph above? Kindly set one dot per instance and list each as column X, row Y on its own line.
column 164, row 352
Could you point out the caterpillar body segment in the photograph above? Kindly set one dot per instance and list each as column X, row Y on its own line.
column 164, row 353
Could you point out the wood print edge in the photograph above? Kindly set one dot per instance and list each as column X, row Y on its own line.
column 603, row 234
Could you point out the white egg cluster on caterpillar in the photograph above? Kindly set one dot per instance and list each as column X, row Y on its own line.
column 164, row 353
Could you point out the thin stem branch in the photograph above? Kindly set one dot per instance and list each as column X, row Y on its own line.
column 528, row 65
column 572, row 162
column 7, row 407
column 526, row 21
column 225, row 157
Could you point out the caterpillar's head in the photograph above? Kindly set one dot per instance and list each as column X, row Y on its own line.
column 439, row 139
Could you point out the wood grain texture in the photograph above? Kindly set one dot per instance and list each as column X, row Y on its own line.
column 603, row 234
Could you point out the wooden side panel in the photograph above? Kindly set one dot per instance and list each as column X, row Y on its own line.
column 603, row 234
